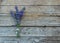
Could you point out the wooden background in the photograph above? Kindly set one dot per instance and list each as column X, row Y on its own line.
column 40, row 24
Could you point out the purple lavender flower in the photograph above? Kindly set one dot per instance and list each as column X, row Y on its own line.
column 17, row 15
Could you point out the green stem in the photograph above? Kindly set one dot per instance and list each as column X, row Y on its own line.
column 18, row 30
column 18, row 35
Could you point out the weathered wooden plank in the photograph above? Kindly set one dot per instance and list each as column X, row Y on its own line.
column 30, row 31
column 30, row 39
column 31, row 2
column 5, row 31
column 33, row 9
column 8, row 40
column 41, row 31
column 0, row 3
column 41, row 21
column 31, row 21
column 33, row 14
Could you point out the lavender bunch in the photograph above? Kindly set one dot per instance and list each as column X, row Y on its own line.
column 17, row 15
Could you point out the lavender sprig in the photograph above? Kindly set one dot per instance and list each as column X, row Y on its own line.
column 17, row 15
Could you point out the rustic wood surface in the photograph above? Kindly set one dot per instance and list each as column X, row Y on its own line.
column 40, row 23
column 30, row 31
column 32, row 9
column 31, row 21
column 31, row 2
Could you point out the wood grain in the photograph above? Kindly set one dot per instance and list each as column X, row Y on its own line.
column 40, row 23
column 31, row 2
column 30, row 31
column 31, row 21
column 33, row 9
column 30, row 39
